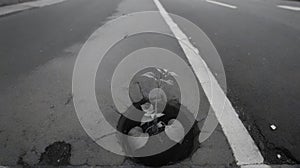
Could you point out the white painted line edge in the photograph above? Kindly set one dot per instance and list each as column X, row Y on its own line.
column 221, row 4
column 12, row 9
column 294, row 8
column 270, row 166
column 43, row 3
column 5, row 10
column 243, row 147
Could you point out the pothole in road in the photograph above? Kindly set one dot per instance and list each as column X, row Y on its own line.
column 181, row 150
column 161, row 131
column 56, row 154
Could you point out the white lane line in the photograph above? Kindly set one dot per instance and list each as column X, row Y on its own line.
column 294, row 8
column 243, row 147
column 27, row 5
column 43, row 3
column 271, row 166
column 221, row 4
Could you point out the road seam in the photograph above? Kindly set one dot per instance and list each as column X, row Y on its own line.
column 10, row 9
column 293, row 8
column 243, row 147
column 221, row 4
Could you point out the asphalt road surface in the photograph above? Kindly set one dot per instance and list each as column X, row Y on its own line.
column 258, row 42
column 259, row 45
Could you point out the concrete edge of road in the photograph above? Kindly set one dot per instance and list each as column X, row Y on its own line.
column 10, row 9
column 245, row 151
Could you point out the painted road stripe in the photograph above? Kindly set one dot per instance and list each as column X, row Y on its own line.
column 221, row 4
column 289, row 7
column 27, row 5
column 271, row 166
column 244, row 149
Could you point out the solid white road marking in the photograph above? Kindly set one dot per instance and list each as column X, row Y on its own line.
column 43, row 3
column 244, row 148
column 294, row 8
column 221, row 4
column 270, row 166
column 27, row 5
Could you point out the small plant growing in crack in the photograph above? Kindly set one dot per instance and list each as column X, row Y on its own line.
column 152, row 113
column 151, row 122
column 157, row 118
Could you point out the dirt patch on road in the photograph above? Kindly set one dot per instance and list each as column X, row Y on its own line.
column 56, row 154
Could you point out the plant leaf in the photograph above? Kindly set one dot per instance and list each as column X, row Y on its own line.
column 138, row 142
column 169, row 82
column 146, row 118
column 173, row 73
column 159, row 115
column 149, row 75
column 148, row 110
column 159, row 70
column 175, row 131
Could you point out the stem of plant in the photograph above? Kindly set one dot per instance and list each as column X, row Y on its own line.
column 156, row 98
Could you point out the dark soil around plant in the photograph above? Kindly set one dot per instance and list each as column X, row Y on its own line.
column 176, row 153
